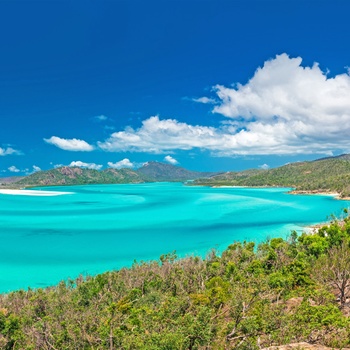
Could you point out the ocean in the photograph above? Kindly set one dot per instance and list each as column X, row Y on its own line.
column 94, row 228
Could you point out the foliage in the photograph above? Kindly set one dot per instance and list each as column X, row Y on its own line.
column 324, row 175
column 65, row 175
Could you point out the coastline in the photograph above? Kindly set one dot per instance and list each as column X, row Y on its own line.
column 336, row 195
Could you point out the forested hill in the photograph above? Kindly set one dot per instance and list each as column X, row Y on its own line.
column 78, row 176
column 323, row 175
column 150, row 172
column 167, row 172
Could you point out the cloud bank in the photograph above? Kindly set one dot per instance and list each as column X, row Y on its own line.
column 70, row 144
column 284, row 108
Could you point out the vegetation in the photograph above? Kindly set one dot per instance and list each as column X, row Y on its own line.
column 249, row 297
column 156, row 171
column 324, row 175
column 78, row 176
column 150, row 172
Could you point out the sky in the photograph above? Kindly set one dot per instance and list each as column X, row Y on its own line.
column 206, row 85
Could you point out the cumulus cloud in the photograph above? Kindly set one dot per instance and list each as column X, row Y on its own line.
column 81, row 164
column 283, row 88
column 70, row 144
column 36, row 168
column 161, row 136
column 13, row 169
column 8, row 150
column 264, row 166
column 124, row 163
column 157, row 136
column 285, row 108
column 285, row 96
column 171, row 160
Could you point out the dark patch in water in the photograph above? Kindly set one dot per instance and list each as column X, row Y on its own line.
column 220, row 226
column 85, row 202
column 48, row 232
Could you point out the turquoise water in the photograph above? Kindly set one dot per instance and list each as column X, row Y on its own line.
column 99, row 227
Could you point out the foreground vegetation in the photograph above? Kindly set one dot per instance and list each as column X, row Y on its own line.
column 249, row 297
column 324, row 175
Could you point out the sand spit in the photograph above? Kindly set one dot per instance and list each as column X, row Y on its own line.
column 33, row 193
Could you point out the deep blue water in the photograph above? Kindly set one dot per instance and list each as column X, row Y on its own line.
column 99, row 227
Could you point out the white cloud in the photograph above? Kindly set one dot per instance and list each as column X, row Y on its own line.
column 124, row 163
column 8, row 150
column 284, row 89
column 264, row 166
column 36, row 168
column 161, row 136
column 81, row 164
column 70, row 144
column 13, row 169
column 101, row 118
column 171, row 160
column 308, row 107
column 58, row 166
column 205, row 100
column 157, row 136
column 284, row 108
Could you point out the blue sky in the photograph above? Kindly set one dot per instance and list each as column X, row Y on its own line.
column 207, row 85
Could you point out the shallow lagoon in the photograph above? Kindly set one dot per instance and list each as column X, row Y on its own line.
column 95, row 228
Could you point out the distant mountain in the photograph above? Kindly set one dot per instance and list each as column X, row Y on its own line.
column 330, row 174
column 341, row 156
column 155, row 171
column 78, row 176
column 150, row 172
column 9, row 180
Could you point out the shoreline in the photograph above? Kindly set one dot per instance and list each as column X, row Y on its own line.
column 336, row 195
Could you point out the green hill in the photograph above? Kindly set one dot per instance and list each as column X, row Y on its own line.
column 167, row 172
column 78, row 176
column 150, row 172
column 323, row 175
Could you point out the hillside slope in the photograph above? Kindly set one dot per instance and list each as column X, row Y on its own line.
column 323, row 175
column 156, row 171
column 150, row 172
column 78, row 176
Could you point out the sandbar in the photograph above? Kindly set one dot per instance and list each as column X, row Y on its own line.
column 33, row 193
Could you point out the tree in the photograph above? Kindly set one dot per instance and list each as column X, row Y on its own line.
column 333, row 269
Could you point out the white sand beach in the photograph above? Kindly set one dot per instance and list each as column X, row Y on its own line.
column 33, row 193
